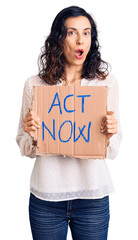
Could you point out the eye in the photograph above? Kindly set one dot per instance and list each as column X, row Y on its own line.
column 87, row 33
column 71, row 32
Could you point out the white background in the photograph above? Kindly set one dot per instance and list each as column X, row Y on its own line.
column 24, row 26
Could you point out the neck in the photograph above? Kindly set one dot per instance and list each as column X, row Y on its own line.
column 72, row 74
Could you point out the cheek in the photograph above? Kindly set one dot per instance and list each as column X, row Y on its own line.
column 88, row 48
column 68, row 46
column 65, row 46
column 67, row 52
column 67, row 49
column 89, row 44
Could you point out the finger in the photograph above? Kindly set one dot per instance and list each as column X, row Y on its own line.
column 31, row 128
column 28, row 116
column 109, row 115
column 109, row 126
column 103, row 120
column 33, row 123
column 30, row 113
column 109, row 130
column 32, row 116
column 37, row 120
column 112, row 125
column 108, row 121
column 111, row 121
column 110, row 112
column 30, row 110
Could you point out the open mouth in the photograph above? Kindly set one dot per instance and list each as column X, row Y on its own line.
column 79, row 53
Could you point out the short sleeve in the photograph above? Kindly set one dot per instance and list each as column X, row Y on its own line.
column 113, row 105
column 23, row 139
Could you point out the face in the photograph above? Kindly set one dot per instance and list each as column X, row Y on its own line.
column 78, row 37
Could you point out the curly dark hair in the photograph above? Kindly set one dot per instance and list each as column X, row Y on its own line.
column 51, row 59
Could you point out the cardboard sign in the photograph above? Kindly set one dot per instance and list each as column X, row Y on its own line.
column 71, row 119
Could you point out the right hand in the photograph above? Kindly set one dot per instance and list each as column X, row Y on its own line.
column 31, row 123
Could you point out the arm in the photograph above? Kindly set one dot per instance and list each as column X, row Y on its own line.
column 23, row 139
column 113, row 105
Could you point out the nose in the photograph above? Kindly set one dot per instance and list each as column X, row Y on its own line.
column 79, row 39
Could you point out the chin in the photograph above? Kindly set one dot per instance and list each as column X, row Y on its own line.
column 78, row 64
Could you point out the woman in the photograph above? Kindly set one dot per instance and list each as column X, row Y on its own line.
column 66, row 189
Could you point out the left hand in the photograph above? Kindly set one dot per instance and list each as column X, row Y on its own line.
column 109, row 125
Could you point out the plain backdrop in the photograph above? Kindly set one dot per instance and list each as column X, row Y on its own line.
column 24, row 27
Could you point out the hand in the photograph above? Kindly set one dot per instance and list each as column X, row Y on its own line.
column 31, row 122
column 109, row 125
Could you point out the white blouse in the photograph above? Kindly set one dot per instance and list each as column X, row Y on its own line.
column 58, row 177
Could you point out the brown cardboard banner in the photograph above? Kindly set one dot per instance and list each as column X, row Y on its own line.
column 70, row 120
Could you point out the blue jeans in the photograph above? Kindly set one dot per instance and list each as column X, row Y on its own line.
column 88, row 218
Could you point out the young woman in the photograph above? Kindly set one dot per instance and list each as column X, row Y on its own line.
column 65, row 189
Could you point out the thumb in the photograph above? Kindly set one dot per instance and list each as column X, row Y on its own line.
column 110, row 112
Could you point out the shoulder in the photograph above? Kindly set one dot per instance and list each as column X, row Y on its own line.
column 108, row 81
column 33, row 80
column 111, row 79
column 112, row 83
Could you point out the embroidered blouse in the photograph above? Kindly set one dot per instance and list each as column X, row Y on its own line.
column 58, row 177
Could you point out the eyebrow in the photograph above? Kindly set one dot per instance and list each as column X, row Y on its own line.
column 76, row 29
